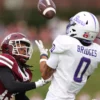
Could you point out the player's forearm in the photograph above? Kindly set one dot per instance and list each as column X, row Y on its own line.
column 43, row 67
column 9, row 82
column 43, row 60
column 46, row 71
column 15, row 87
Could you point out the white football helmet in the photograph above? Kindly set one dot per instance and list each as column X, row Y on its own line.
column 83, row 25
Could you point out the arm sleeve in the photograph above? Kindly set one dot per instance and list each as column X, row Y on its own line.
column 13, row 86
column 61, row 44
column 52, row 62
column 21, row 96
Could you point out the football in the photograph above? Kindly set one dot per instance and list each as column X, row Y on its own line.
column 47, row 8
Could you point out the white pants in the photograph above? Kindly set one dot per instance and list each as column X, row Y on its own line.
column 50, row 96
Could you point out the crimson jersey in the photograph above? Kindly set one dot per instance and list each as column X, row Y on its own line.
column 9, row 61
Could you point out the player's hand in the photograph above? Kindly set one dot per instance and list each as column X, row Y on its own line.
column 41, row 47
column 40, row 82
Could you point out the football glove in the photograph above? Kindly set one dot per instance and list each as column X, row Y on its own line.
column 42, row 82
column 41, row 47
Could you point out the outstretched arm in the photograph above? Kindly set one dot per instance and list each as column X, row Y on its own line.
column 46, row 71
column 13, row 86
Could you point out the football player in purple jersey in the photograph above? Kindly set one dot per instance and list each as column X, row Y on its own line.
column 15, row 75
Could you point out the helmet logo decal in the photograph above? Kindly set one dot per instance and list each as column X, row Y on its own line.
column 78, row 20
column 86, row 34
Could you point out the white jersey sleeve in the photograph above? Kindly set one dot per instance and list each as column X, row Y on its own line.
column 58, row 47
column 53, row 61
column 59, row 44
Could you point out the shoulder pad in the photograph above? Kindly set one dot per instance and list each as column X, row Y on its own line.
column 7, row 60
column 60, row 44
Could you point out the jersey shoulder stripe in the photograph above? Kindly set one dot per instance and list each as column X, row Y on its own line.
column 4, row 60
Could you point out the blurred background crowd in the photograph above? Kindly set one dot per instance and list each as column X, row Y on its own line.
column 23, row 16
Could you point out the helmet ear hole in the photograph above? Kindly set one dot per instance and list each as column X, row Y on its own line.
column 73, row 30
column 72, row 35
column 87, row 22
column 5, row 50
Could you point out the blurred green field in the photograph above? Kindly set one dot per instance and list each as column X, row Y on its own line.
column 92, row 86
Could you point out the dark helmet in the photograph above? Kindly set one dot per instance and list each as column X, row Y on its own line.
column 9, row 45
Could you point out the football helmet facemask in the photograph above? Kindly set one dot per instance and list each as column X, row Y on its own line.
column 83, row 25
column 12, row 44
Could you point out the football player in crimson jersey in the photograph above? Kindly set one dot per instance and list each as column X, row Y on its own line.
column 73, row 57
column 15, row 75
